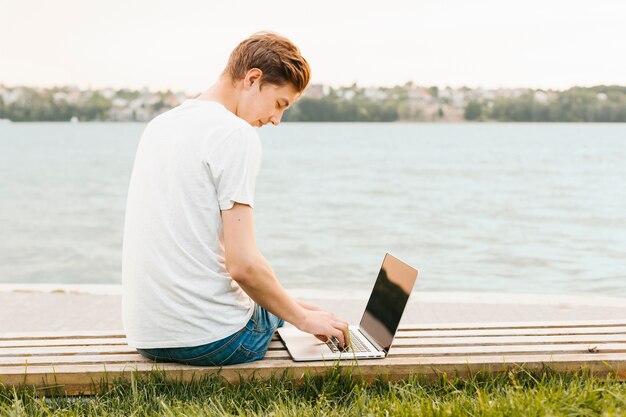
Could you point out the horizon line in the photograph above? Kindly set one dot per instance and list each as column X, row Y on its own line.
column 336, row 86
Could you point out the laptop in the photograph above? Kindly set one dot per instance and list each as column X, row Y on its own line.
column 371, row 339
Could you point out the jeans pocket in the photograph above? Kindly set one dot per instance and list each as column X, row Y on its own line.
column 232, row 354
column 255, row 319
column 261, row 320
column 199, row 353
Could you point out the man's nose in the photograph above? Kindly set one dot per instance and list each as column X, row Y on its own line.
column 275, row 119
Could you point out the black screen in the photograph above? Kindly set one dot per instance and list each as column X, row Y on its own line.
column 388, row 299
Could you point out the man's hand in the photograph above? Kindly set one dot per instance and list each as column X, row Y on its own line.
column 311, row 307
column 323, row 324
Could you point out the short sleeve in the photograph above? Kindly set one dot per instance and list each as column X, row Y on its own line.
column 234, row 165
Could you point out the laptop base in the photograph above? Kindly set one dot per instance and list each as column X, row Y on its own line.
column 304, row 347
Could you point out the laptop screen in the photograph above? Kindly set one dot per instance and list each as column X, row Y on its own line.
column 388, row 300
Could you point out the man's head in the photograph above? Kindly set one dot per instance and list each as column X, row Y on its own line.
column 269, row 73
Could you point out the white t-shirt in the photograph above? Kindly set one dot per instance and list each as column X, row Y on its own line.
column 191, row 162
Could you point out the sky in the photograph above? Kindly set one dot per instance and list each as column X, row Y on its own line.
column 184, row 44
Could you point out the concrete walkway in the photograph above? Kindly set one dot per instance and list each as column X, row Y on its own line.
column 27, row 308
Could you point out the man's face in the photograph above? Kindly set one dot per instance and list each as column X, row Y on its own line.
column 262, row 105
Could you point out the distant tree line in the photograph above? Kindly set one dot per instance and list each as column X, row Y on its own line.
column 332, row 109
column 34, row 106
column 578, row 104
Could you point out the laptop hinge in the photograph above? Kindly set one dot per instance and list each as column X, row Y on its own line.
column 371, row 340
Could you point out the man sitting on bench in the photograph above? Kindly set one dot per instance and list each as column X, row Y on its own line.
column 196, row 289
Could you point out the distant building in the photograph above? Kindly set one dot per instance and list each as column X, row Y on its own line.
column 374, row 94
column 182, row 96
column 136, row 104
column 419, row 94
column 60, row 96
column 347, row 94
column 108, row 93
column 540, row 96
column 12, row 96
column 489, row 94
column 316, row 91
column 458, row 98
column 171, row 100
column 119, row 102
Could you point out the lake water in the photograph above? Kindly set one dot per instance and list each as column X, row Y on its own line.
column 531, row 208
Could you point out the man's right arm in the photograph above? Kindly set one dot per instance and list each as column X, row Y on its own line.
column 252, row 272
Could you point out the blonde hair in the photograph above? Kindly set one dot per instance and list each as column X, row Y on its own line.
column 276, row 56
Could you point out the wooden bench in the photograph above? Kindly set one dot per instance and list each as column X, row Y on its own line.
column 83, row 362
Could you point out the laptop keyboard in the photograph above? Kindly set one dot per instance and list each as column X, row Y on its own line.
column 357, row 345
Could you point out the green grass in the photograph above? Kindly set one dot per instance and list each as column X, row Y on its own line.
column 518, row 392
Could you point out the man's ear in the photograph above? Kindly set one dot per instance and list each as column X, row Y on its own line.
column 253, row 75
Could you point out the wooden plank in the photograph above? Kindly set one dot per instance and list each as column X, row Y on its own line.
column 508, row 340
column 403, row 327
column 400, row 335
column 73, row 345
column 388, row 365
column 83, row 350
column 69, row 342
column 513, row 325
column 501, row 340
column 553, row 331
column 66, row 350
column 509, row 350
column 95, row 359
column 275, row 345
column 283, row 354
column 73, row 379
column 389, row 362
column 62, row 342
column 61, row 339
column 396, row 351
column 71, row 385
column 82, row 334
column 71, row 359
column 414, row 342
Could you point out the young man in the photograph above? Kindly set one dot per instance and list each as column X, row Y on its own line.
column 196, row 289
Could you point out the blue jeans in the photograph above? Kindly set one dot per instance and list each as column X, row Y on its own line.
column 246, row 345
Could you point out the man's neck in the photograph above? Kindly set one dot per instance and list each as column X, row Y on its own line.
column 224, row 93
